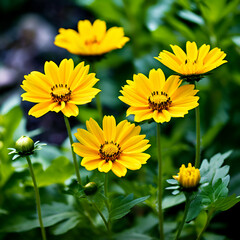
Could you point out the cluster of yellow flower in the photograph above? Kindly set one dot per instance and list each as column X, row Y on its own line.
column 118, row 147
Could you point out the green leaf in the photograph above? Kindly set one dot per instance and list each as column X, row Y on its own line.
column 171, row 200
column 172, row 181
column 121, row 205
column 58, row 172
column 132, row 236
column 223, row 204
column 66, row 225
column 212, row 171
column 211, row 193
column 52, row 214
column 194, row 208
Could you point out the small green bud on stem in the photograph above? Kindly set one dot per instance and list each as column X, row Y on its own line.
column 25, row 145
column 90, row 188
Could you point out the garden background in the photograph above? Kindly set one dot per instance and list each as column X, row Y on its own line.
column 28, row 29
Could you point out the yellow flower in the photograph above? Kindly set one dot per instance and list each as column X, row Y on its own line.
column 188, row 177
column 157, row 98
column 60, row 88
column 115, row 148
column 194, row 62
column 91, row 39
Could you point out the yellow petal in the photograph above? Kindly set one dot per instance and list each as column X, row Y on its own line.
column 70, row 109
column 118, row 169
column 65, row 70
column 104, row 166
column 129, row 162
column 52, row 72
column 93, row 127
column 39, row 109
column 85, row 151
column 192, row 51
column 109, row 128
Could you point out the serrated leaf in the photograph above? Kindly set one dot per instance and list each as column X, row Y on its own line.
column 121, row 205
column 211, row 193
column 212, row 170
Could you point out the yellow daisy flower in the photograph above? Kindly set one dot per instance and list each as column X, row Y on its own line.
column 60, row 88
column 188, row 177
column 158, row 98
column 114, row 147
column 91, row 39
column 195, row 62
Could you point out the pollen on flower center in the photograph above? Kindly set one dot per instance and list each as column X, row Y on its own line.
column 109, row 151
column 61, row 93
column 159, row 101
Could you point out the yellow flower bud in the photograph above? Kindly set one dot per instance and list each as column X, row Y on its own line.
column 188, row 177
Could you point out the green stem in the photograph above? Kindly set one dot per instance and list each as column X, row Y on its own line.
column 103, row 218
column 160, row 190
column 106, row 185
column 209, row 217
column 106, row 199
column 37, row 197
column 198, row 138
column 99, row 106
column 73, row 153
column 187, row 204
column 98, row 100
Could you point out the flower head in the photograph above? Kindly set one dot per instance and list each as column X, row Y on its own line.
column 91, row 39
column 114, row 147
column 25, row 146
column 60, row 88
column 158, row 98
column 195, row 62
column 188, row 177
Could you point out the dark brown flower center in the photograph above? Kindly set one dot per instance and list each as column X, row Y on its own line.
column 159, row 101
column 61, row 93
column 109, row 151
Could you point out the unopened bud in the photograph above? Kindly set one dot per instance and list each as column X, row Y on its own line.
column 188, row 177
column 90, row 188
column 25, row 145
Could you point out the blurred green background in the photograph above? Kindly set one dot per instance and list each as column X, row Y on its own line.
column 28, row 29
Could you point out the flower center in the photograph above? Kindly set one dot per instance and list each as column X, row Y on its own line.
column 92, row 41
column 109, row 151
column 60, row 93
column 159, row 101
